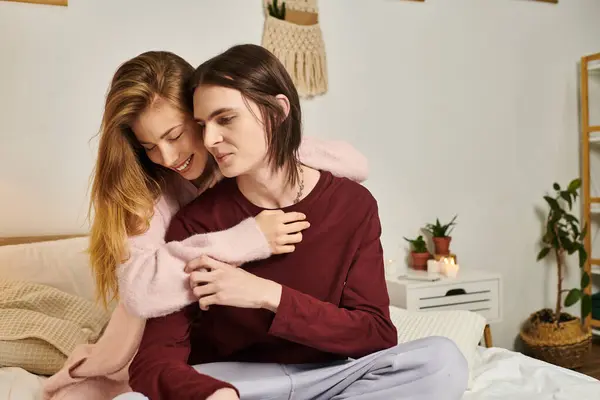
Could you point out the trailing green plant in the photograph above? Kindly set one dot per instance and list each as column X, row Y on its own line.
column 441, row 230
column 275, row 11
column 418, row 244
column 563, row 236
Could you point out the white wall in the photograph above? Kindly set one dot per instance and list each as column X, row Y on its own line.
column 462, row 106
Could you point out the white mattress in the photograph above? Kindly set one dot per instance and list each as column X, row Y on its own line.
column 499, row 374
column 18, row 384
column 503, row 374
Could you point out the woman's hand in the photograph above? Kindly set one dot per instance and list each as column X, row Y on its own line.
column 215, row 282
column 281, row 229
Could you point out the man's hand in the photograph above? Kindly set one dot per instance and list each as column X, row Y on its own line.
column 215, row 282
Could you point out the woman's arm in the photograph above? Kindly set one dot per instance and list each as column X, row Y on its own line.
column 152, row 282
column 338, row 157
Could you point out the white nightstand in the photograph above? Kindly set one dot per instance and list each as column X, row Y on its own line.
column 478, row 291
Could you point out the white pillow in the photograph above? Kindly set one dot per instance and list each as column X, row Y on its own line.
column 464, row 328
column 62, row 264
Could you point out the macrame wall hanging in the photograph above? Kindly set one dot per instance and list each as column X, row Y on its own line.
column 293, row 33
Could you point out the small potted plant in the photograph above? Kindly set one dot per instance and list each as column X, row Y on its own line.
column 419, row 253
column 553, row 335
column 275, row 11
column 440, row 234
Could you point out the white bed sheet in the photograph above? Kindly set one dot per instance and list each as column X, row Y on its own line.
column 18, row 384
column 508, row 375
column 499, row 374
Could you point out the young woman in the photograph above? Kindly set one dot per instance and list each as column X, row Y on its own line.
column 312, row 324
column 151, row 161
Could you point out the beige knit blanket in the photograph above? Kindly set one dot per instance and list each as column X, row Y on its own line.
column 40, row 325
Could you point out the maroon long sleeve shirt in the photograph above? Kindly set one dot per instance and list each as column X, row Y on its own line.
column 334, row 302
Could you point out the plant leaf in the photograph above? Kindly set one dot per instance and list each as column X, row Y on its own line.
column 574, row 185
column 586, row 305
column 567, row 244
column 585, row 280
column 584, row 231
column 552, row 202
column 567, row 197
column 571, row 218
column 582, row 256
column 573, row 297
column 543, row 253
column 575, row 229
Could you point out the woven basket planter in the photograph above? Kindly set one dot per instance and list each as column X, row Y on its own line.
column 566, row 344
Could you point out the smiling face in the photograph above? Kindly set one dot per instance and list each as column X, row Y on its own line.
column 232, row 129
column 171, row 139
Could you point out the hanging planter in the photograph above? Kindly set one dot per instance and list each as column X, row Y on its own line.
column 292, row 32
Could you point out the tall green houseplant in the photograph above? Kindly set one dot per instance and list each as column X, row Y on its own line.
column 562, row 237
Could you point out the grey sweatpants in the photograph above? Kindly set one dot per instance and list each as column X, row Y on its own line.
column 425, row 369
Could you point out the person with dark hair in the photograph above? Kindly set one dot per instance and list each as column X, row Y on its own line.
column 311, row 324
column 151, row 161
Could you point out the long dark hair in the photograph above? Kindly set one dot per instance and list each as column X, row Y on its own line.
column 259, row 76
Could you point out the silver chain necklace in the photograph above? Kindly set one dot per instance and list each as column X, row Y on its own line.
column 301, row 188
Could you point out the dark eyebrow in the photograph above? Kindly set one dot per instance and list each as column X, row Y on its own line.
column 165, row 134
column 215, row 113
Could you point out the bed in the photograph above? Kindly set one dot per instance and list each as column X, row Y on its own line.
column 500, row 374
column 496, row 373
column 504, row 374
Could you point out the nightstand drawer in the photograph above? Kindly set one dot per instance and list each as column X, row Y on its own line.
column 481, row 297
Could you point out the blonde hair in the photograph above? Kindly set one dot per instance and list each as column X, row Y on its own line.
column 126, row 184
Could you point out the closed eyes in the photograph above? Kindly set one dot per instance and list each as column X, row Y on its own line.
column 171, row 139
column 176, row 137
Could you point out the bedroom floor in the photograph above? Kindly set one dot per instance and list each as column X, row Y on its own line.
column 592, row 366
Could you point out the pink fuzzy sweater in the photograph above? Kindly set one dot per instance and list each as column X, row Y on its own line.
column 153, row 282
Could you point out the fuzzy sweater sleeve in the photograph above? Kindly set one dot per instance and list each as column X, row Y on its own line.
column 153, row 283
column 338, row 157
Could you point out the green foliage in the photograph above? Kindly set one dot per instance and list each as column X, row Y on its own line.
column 418, row 244
column 439, row 230
column 276, row 11
column 563, row 236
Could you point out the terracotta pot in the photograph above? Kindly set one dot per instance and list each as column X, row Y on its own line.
column 442, row 245
column 419, row 260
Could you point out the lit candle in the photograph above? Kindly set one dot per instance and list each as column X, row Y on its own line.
column 449, row 267
column 433, row 266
